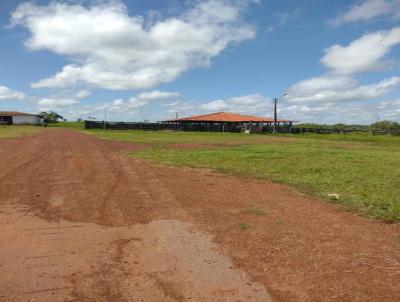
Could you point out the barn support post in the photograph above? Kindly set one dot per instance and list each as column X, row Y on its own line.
column 275, row 115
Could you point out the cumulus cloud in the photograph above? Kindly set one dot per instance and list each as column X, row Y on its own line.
column 343, row 64
column 180, row 106
column 363, row 54
column 141, row 100
column 157, row 95
column 246, row 104
column 313, row 110
column 337, row 89
column 50, row 104
column 82, row 94
column 318, row 110
column 314, row 85
column 9, row 94
column 62, row 100
column 110, row 49
column 367, row 10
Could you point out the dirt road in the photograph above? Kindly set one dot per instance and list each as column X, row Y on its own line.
column 82, row 221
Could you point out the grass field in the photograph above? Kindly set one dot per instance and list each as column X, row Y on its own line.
column 17, row 131
column 165, row 138
column 69, row 125
column 363, row 170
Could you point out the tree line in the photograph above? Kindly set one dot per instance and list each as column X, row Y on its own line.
column 381, row 125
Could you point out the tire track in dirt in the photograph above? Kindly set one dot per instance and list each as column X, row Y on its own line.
column 88, row 219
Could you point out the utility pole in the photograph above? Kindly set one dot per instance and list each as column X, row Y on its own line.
column 275, row 115
column 105, row 118
column 275, row 128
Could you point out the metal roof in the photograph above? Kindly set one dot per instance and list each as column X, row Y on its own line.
column 14, row 113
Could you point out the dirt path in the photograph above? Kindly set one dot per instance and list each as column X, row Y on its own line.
column 81, row 221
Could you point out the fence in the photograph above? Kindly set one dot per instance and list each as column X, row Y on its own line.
column 221, row 127
column 201, row 127
column 127, row 126
column 344, row 131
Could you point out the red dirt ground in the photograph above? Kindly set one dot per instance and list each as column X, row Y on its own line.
column 82, row 221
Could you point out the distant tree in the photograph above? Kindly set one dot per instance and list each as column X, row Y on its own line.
column 333, row 127
column 339, row 126
column 51, row 117
column 312, row 126
column 79, row 120
column 386, row 125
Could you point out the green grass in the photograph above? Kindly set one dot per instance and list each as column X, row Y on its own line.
column 357, row 137
column 255, row 211
column 367, row 180
column 363, row 170
column 244, row 226
column 68, row 125
column 17, row 131
column 163, row 138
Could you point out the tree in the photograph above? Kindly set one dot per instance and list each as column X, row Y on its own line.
column 50, row 117
column 386, row 125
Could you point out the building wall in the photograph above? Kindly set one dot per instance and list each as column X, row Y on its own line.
column 26, row 119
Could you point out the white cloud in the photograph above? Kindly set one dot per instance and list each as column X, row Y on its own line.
column 363, row 54
column 71, row 105
column 157, row 95
column 62, row 100
column 51, row 104
column 332, row 89
column 112, row 50
column 315, row 110
column 182, row 107
column 316, row 99
column 9, row 94
column 314, row 85
column 339, row 84
column 246, row 104
column 367, row 10
column 143, row 99
column 82, row 94
column 348, row 113
column 283, row 18
column 389, row 104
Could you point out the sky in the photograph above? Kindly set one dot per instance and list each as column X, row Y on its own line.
column 326, row 61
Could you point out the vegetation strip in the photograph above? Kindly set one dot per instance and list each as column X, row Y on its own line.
column 17, row 131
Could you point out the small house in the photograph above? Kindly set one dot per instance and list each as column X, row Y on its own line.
column 18, row 118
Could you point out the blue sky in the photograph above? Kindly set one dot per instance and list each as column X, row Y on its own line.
column 337, row 61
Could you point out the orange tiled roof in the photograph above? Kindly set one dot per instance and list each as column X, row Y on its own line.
column 226, row 117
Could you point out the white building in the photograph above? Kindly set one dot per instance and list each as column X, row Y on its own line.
column 18, row 118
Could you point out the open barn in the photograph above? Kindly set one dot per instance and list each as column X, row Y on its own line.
column 228, row 122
